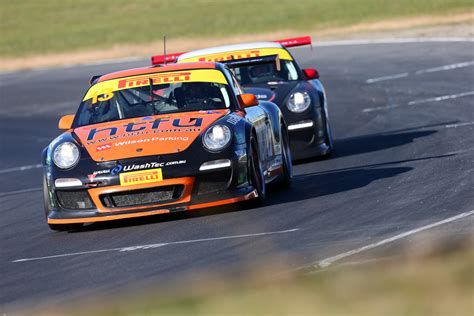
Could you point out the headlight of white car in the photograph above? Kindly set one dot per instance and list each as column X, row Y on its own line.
column 217, row 137
column 66, row 155
column 299, row 102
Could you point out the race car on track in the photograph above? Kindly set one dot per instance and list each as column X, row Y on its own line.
column 270, row 72
column 162, row 139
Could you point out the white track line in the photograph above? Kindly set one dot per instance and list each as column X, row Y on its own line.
column 19, row 192
column 445, row 68
column 422, row 101
column 152, row 246
column 442, row 98
column 328, row 261
column 459, row 125
column 423, row 71
column 22, row 168
column 391, row 77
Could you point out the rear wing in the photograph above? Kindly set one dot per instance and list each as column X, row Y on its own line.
column 288, row 42
column 161, row 59
column 293, row 42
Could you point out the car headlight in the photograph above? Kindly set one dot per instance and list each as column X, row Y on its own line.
column 66, row 155
column 299, row 102
column 217, row 137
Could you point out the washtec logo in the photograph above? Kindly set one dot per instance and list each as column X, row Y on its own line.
column 148, row 165
column 116, row 170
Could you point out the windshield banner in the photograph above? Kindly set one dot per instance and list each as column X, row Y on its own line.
column 104, row 89
column 240, row 54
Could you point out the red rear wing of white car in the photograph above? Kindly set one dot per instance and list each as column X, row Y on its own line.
column 287, row 42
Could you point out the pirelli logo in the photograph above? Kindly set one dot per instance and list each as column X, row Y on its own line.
column 157, row 79
column 231, row 56
column 141, row 177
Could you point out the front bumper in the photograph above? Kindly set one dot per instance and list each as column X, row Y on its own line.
column 307, row 137
column 62, row 216
column 173, row 193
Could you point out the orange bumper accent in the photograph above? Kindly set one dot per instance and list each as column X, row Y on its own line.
column 96, row 192
column 248, row 196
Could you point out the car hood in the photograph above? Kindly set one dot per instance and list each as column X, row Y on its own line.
column 145, row 136
column 275, row 93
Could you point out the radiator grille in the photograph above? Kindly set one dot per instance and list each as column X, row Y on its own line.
column 142, row 197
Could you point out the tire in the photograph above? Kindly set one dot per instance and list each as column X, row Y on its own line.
column 47, row 210
column 257, row 179
column 284, row 180
column 46, row 203
column 327, row 133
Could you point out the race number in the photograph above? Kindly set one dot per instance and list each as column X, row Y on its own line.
column 103, row 95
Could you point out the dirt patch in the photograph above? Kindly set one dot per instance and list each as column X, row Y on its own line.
column 460, row 25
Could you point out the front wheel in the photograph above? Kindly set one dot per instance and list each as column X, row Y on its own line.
column 327, row 133
column 257, row 179
column 284, row 180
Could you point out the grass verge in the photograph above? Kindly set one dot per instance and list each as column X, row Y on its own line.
column 30, row 27
column 435, row 281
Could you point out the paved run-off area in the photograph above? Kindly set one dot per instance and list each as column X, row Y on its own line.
column 403, row 121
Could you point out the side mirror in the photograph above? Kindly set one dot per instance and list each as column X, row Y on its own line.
column 311, row 73
column 248, row 99
column 65, row 122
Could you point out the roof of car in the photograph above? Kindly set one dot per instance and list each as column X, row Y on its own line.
column 229, row 48
column 163, row 68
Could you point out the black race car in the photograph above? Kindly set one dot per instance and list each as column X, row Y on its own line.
column 163, row 139
column 269, row 71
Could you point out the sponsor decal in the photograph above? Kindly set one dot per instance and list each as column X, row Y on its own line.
column 157, row 79
column 141, row 177
column 116, row 170
column 232, row 55
column 103, row 147
column 209, row 112
column 241, row 54
column 94, row 174
column 159, row 125
column 105, row 90
column 148, row 165
column 234, row 119
column 153, row 139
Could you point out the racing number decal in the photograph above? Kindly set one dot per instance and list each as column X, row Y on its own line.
column 104, row 95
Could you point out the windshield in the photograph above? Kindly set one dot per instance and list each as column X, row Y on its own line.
column 107, row 104
column 266, row 72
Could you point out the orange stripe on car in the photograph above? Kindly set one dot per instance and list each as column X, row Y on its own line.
column 246, row 197
column 96, row 192
column 149, row 213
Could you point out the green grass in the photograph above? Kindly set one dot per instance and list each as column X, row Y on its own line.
column 31, row 26
column 438, row 282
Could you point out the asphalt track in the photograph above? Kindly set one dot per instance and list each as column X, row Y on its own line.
column 403, row 121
